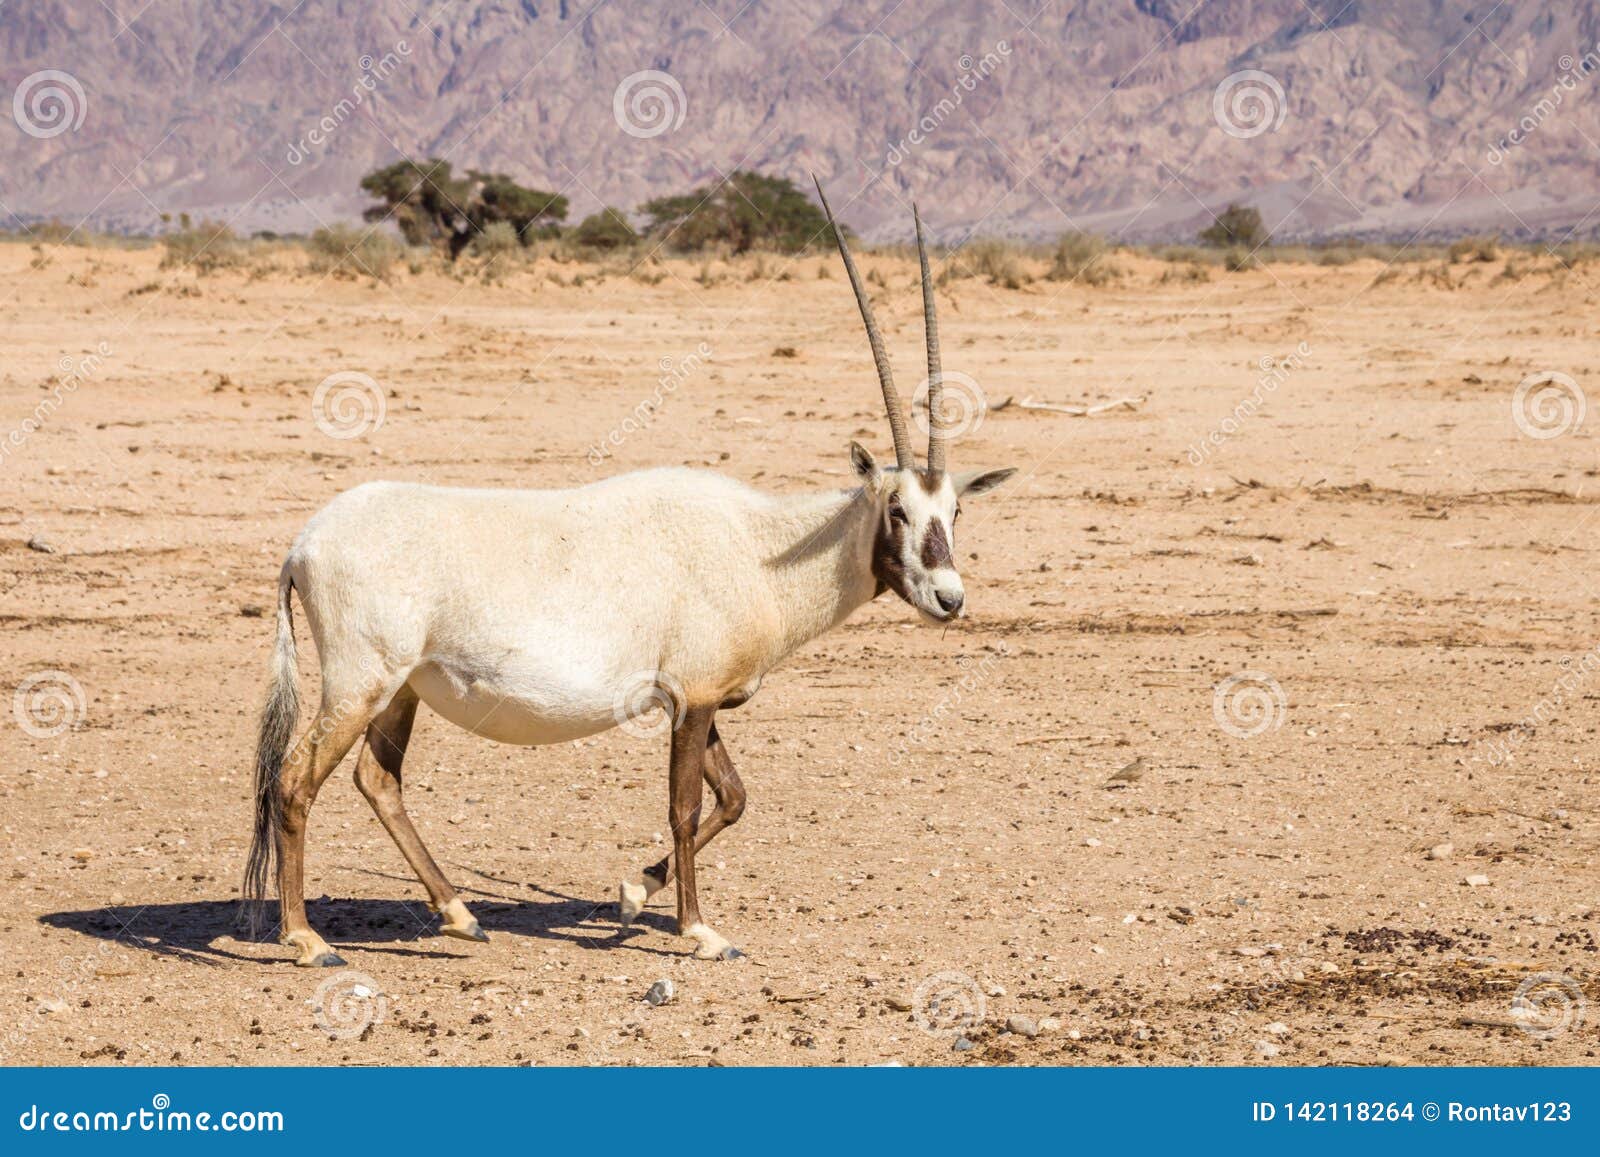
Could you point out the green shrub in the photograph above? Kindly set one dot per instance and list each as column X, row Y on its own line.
column 605, row 231
column 748, row 210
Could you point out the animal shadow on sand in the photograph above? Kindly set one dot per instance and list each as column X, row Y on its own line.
column 209, row 931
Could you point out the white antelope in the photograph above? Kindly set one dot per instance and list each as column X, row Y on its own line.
column 528, row 616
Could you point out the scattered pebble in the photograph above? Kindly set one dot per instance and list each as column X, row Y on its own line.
column 40, row 545
column 1278, row 1028
column 1265, row 1048
column 1049, row 1024
column 51, row 1004
column 1477, row 881
column 962, row 1044
column 1091, row 842
column 1441, row 851
column 661, row 992
column 1022, row 1026
column 1250, row 951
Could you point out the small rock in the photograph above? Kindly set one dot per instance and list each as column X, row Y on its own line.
column 1091, row 842
column 962, row 1044
column 898, row 1003
column 661, row 992
column 1477, row 881
column 1074, row 1034
column 997, row 990
column 51, row 1004
column 1278, row 1028
column 253, row 610
column 1441, row 851
column 1049, row 1024
column 40, row 545
column 1022, row 1026
column 1265, row 1048
column 83, row 855
column 1250, row 951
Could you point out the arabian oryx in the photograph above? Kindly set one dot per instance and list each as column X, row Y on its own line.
column 534, row 616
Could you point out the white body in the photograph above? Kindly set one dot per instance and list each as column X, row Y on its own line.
column 539, row 616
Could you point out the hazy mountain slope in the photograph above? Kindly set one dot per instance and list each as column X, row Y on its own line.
column 1393, row 116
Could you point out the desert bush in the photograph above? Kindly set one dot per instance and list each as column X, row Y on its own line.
column 205, row 248
column 1236, row 226
column 606, row 230
column 1083, row 258
column 346, row 251
column 1239, row 259
column 1466, row 250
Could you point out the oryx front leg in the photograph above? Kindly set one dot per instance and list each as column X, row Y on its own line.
column 719, row 773
column 683, row 813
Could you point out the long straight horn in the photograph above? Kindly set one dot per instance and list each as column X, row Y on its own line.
column 903, row 453
column 930, row 327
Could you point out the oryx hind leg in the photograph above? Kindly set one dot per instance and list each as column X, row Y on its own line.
column 718, row 771
column 334, row 731
column 378, row 777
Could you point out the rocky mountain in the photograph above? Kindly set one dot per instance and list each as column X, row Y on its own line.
column 1003, row 117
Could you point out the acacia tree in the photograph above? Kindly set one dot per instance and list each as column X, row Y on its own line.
column 745, row 211
column 432, row 206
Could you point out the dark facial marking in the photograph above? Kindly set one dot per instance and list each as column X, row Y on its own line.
column 935, row 546
column 887, row 566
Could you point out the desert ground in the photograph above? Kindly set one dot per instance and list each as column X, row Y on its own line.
column 1336, row 635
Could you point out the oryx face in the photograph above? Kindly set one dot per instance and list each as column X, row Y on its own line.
column 913, row 549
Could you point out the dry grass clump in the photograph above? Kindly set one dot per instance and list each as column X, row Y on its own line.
column 1471, row 249
column 349, row 251
column 997, row 262
column 1188, row 273
column 205, row 247
column 1084, row 258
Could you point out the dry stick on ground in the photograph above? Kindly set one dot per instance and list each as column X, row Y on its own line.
column 1030, row 403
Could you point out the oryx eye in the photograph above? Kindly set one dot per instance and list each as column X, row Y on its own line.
column 896, row 511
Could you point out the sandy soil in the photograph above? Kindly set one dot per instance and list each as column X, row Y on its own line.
column 1395, row 566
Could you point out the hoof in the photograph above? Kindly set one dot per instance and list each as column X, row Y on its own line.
column 710, row 946
column 466, row 932
column 329, row 959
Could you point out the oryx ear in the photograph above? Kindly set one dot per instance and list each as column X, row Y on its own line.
column 981, row 481
column 863, row 462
